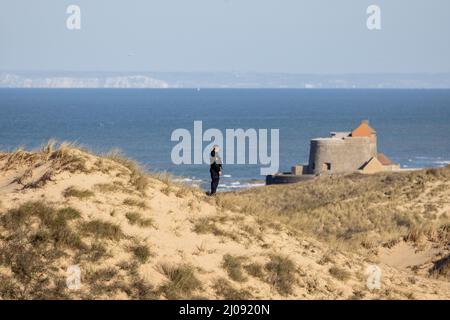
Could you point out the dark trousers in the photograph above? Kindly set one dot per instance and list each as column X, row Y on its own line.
column 214, row 181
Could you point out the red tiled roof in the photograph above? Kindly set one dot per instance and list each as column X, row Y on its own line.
column 363, row 130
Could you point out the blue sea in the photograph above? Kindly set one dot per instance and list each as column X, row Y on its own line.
column 413, row 126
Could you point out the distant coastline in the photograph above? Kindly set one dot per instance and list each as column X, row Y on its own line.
column 247, row 80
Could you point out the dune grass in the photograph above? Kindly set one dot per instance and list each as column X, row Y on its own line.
column 225, row 289
column 73, row 192
column 441, row 268
column 233, row 266
column 141, row 252
column 182, row 282
column 115, row 186
column 254, row 269
column 207, row 225
column 35, row 236
column 135, row 218
column 135, row 203
column 69, row 213
column 281, row 274
column 102, row 229
column 339, row 273
column 54, row 224
column 354, row 211
column 97, row 251
column 138, row 176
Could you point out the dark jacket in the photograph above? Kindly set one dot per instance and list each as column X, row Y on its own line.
column 216, row 163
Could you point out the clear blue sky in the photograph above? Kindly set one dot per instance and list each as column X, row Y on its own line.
column 298, row 36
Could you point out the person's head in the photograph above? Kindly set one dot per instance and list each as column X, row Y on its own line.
column 216, row 148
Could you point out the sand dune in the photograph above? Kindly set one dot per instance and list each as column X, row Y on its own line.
column 137, row 235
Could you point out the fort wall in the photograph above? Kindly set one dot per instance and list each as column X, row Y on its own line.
column 331, row 155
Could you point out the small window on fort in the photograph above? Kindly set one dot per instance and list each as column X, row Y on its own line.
column 327, row 166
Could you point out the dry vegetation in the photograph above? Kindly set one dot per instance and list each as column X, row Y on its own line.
column 356, row 211
column 441, row 268
column 181, row 283
column 141, row 235
column 233, row 266
column 225, row 289
column 136, row 218
column 76, row 193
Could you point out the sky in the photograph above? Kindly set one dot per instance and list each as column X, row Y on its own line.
column 286, row 36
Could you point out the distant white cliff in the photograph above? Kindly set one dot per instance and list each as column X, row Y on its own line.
column 98, row 79
column 8, row 80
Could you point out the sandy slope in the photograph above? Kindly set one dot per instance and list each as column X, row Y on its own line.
column 188, row 229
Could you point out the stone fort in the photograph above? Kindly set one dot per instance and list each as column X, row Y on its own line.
column 340, row 153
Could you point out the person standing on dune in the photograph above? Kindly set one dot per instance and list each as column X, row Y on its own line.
column 215, row 169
